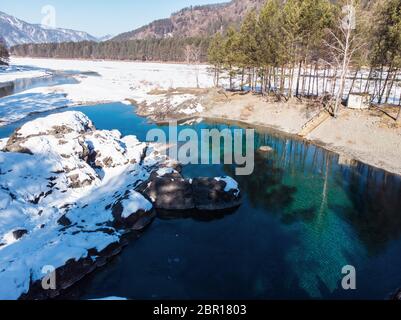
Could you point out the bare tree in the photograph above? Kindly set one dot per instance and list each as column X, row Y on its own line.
column 193, row 56
column 188, row 53
column 343, row 44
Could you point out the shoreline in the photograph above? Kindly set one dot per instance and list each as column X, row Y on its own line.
column 115, row 60
column 367, row 136
column 317, row 143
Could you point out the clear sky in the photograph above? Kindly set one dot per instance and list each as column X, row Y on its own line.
column 98, row 17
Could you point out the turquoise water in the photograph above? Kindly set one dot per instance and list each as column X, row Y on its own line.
column 304, row 218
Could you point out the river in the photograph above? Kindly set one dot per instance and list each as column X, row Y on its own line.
column 304, row 217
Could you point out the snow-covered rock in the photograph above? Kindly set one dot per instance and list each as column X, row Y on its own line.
column 169, row 191
column 61, row 181
column 69, row 193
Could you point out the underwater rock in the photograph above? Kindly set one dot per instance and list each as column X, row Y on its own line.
column 265, row 149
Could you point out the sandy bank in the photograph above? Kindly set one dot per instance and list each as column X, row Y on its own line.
column 369, row 136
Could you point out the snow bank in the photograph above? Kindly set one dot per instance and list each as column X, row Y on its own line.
column 135, row 202
column 117, row 81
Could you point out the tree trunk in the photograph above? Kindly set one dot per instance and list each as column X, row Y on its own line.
column 334, row 83
column 324, row 81
column 353, row 82
column 391, row 85
column 313, row 81
column 242, row 79
column 344, row 68
column 367, row 86
column 317, row 80
column 380, row 83
column 298, row 78
column 303, row 80
column 381, row 94
column 309, row 80
column 290, row 94
column 231, row 78
column 218, row 76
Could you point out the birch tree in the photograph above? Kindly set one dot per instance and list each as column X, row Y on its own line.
column 344, row 41
column 192, row 56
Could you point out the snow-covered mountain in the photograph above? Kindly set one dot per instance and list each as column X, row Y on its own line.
column 15, row 31
column 106, row 38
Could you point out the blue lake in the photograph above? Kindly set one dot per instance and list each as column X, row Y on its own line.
column 304, row 217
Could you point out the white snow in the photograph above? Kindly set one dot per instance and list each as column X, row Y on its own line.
column 231, row 184
column 76, row 121
column 134, row 203
column 117, row 81
column 68, row 173
column 164, row 171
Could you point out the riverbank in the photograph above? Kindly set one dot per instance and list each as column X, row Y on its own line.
column 369, row 136
column 167, row 91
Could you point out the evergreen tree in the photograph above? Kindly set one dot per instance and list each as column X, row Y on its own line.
column 231, row 53
column 386, row 49
column 246, row 54
column 4, row 55
column 216, row 56
column 269, row 40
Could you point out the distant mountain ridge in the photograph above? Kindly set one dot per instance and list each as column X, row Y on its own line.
column 15, row 31
column 196, row 21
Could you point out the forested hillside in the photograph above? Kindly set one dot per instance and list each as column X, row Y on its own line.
column 172, row 49
column 196, row 21
column 4, row 55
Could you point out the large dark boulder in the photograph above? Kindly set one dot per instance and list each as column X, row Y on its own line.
column 18, row 234
column 136, row 221
column 211, row 195
column 73, row 271
column 169, row 192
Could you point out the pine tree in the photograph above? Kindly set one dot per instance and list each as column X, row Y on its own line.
column 292, row 39
column 216, row 56
column 386, row 52
column 231, row 53
column 4, row 55
column 246, row 53
column 269, row 35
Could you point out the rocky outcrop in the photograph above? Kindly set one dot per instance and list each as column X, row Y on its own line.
column 213, row 194
column 170, row 192
column 72, row 201
column 67, row 194
column 73, row 271
column 195, row 21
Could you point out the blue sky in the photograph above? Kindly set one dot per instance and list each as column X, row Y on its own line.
column 98, row 17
